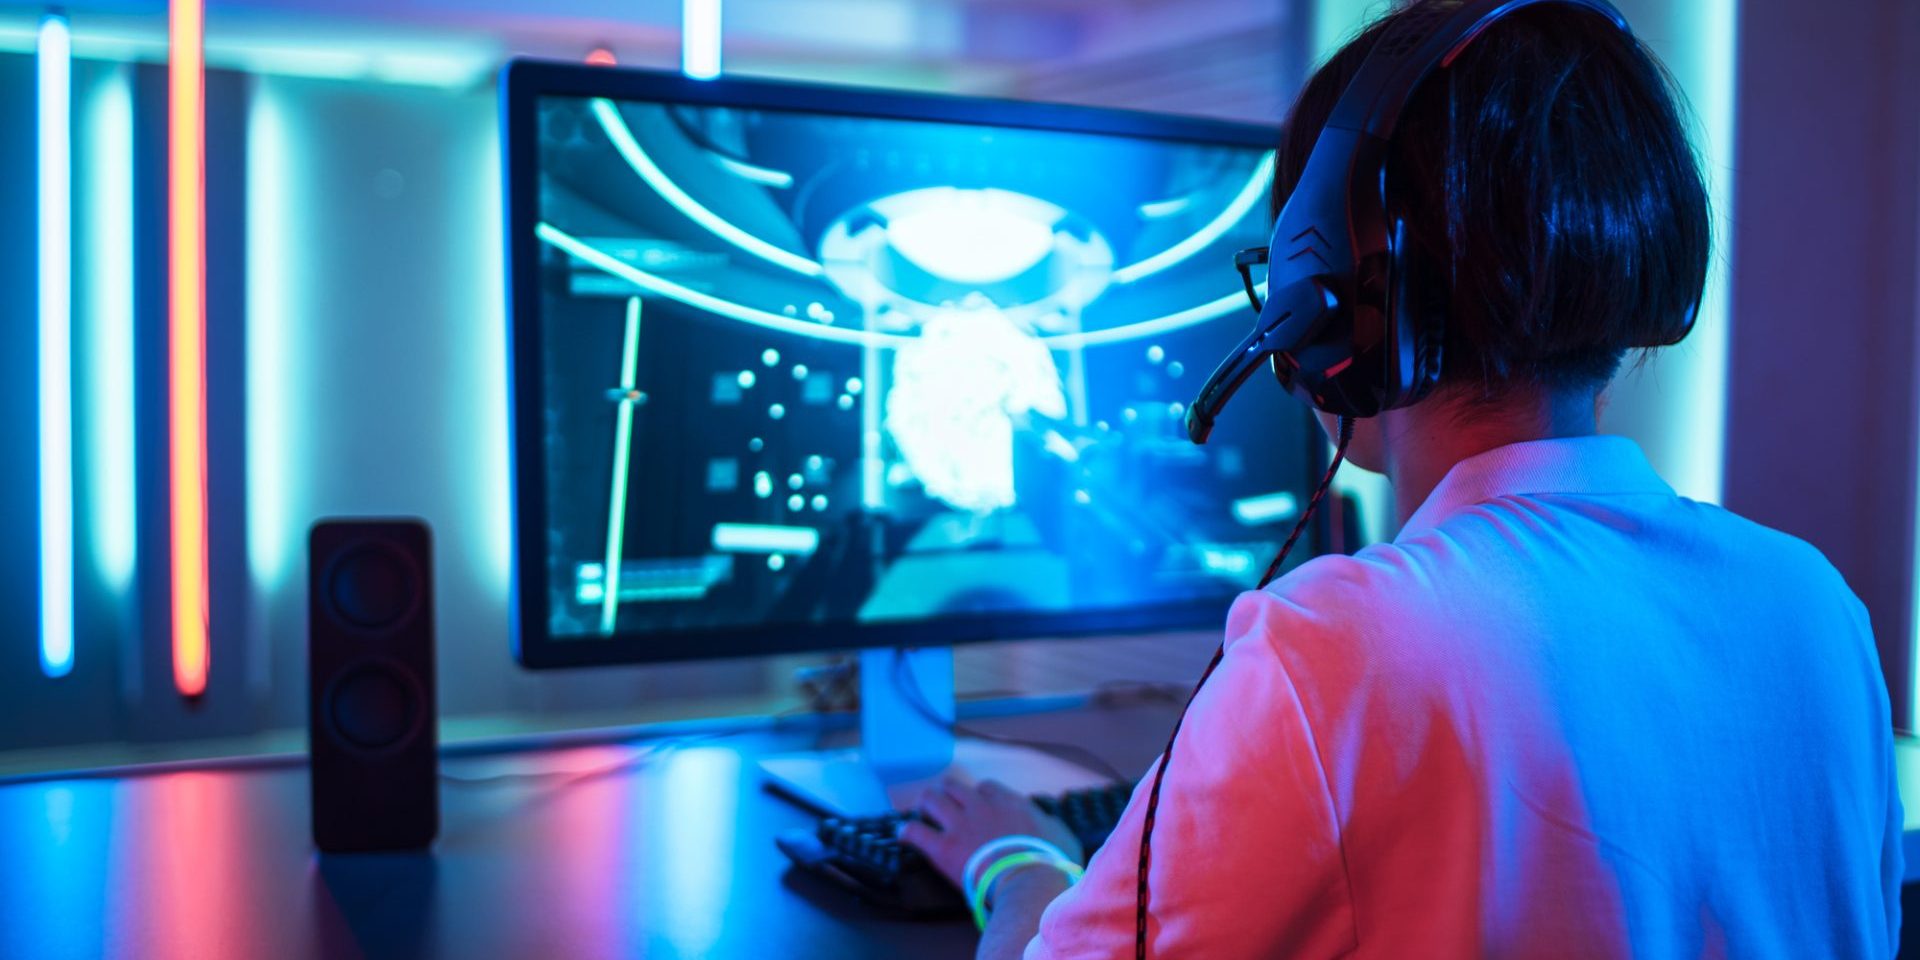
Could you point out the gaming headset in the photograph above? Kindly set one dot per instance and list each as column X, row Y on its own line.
column 1341, row 326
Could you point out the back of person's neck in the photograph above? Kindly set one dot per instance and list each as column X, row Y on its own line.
column 1423, row 442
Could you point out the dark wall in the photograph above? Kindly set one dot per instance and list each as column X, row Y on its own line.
column 1822, row 402
column 19, row 437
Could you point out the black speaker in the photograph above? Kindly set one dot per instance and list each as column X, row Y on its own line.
column 371, row 734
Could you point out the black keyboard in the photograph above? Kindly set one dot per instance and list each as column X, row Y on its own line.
column 866, row 855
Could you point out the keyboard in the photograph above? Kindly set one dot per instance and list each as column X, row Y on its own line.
column 865, row 854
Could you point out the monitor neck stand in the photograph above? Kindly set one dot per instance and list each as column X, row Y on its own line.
column 907, row 743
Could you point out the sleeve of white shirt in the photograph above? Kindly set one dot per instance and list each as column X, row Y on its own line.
column 1246, row 848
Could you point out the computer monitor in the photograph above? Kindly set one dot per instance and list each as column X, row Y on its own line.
column 802, row 367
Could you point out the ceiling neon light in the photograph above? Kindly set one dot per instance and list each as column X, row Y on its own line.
column 186, row 341
column 1250, row 194
column 622, row 138
column 700, row 38
column 55, row 68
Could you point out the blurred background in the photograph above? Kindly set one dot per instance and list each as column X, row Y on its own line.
column 355, row 324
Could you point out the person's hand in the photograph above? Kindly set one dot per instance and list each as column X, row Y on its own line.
column 958, row 818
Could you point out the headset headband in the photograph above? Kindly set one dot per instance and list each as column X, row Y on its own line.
column 1331, row 249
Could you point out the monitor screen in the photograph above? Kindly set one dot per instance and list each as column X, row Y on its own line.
column 805, row 371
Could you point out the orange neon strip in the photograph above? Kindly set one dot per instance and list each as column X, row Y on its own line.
column 187, row 339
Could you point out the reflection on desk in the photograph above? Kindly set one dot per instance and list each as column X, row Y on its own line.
column 617, row 849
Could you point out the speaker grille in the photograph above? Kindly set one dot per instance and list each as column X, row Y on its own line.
column 372, row 587
column 371, row 736
column 373, row 707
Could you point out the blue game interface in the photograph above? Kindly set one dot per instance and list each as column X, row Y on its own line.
column 802, row 367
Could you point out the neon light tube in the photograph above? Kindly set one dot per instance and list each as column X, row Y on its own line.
column 55, row 82
column 666, row 288
column 276, row 295
column 186, row 341
column 700, row 38
column 622, row 459
column 622, row 137
column 764, row 538
column 1250, row 194
column 108, row 356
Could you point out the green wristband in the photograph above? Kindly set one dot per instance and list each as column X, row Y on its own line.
column 978, row 899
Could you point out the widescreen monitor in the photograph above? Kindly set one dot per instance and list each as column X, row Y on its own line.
column 806, row 367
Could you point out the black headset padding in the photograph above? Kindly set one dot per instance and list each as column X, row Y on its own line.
column 1333, row 328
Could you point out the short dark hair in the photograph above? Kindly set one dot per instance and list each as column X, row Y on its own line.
column 1549, row 178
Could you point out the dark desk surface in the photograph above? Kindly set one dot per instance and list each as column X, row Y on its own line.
column 667, row 857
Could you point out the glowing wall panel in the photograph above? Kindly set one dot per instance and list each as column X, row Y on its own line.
column 385, row 395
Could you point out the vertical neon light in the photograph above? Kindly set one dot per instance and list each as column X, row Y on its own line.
column 622, row 459
column 1697, row 464
column 55, row 53
column 276, row 289
column 700, row 38
column 186, row 340
column 490, row 495
column 108, row 354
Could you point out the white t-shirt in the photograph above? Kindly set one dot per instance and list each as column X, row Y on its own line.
column 1565, row 713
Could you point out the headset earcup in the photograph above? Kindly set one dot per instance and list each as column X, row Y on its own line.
column 1420, row 308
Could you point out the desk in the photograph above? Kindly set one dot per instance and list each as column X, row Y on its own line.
column 663, row 858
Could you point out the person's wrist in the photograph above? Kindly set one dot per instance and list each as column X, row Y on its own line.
column 990, row 887
column 1030, row 880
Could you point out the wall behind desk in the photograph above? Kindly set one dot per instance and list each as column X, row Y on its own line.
column 377, row 381
column 356, row 368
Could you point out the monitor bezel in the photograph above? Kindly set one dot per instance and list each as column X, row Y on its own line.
column 523, row 83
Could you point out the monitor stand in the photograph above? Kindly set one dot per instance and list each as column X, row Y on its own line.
column 907, row 743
